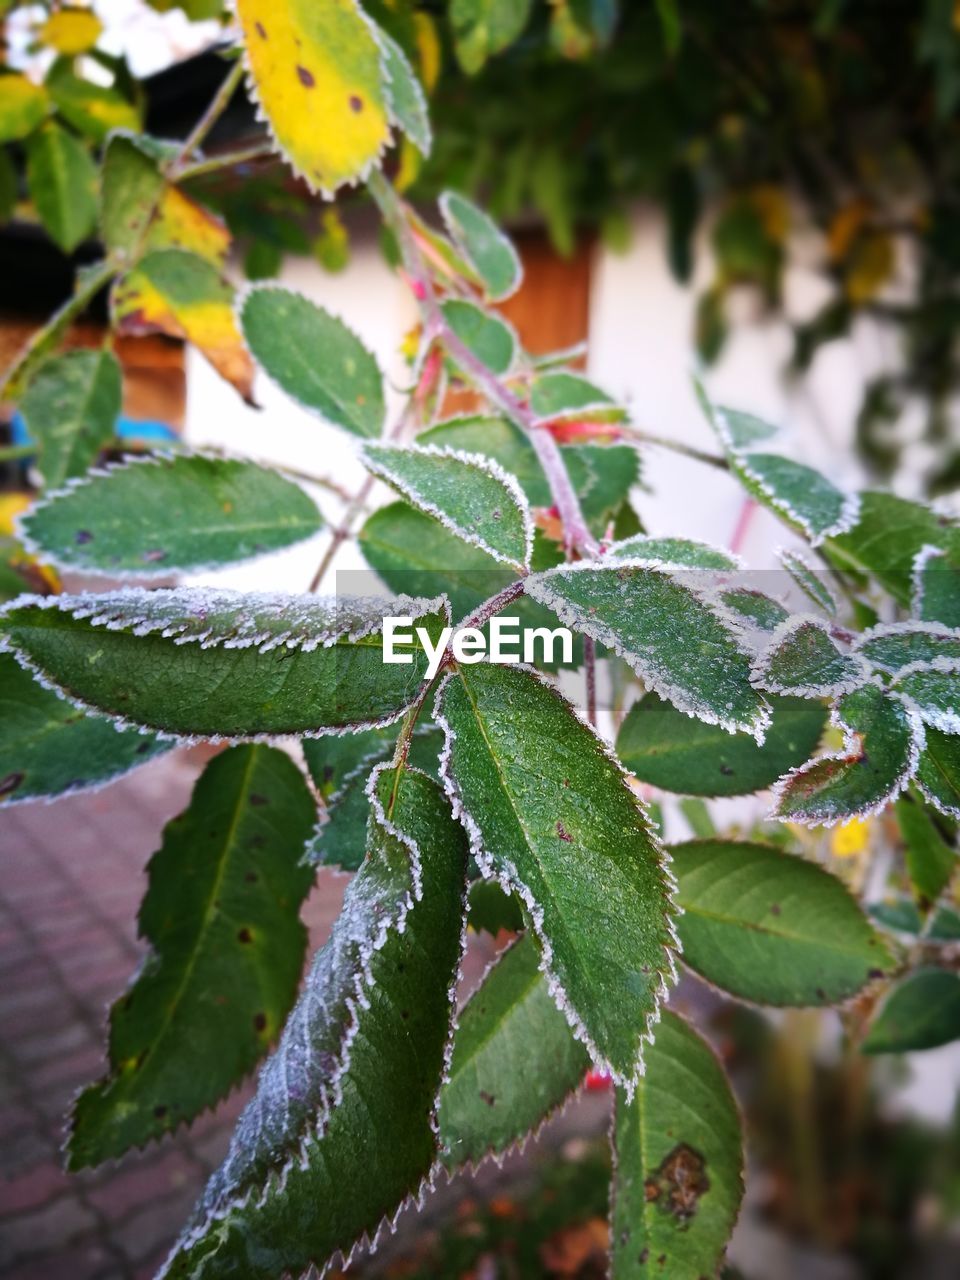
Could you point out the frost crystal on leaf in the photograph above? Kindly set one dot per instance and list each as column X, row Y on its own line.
column 802, row 659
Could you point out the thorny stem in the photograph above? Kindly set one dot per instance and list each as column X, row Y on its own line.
column 577, row 535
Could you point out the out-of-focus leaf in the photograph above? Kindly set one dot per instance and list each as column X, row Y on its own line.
column 71, row 31
column 921, row 1012
column 71, row 410
column 62, row 180
column 23, row 105
column 482, row 28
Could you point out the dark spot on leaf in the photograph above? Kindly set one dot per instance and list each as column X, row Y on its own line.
column 160, row 1111
column 10, row 783
column 251, row 877
column 256, row 842
column 488, row 1098
column 143, row 747
column 82, row 537
column 356, row 102
column 678, row 1183
column 305, row 77
column 154, row 555
column 644, row 1255
column 563, row 833
column 261, row 30
column 726, row 770
column 259, row 1022
column 257, row 800
column 244, row 935
column 821, row 994
column 404, row 1014
column 775, row 908
column 874, row 973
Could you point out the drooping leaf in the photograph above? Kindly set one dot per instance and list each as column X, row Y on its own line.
column 222, row 663
column 930, row 861
column 602, row 475
column 71, row 409
column 179, row 294
column 470, row 495
column 668, row 632
column 921, row 1012
column 814, row 583
column 221, row 914
column 678, row 1162
column 315, row 358
column 883, row 738
column 482, row 28
column 802, row 659
column 159, row 513
column 314, row 61
column 671, row 750
column 770, row 927
column 62, row 180
column 488, row 251
column 888, row 536
column 938, row 771
column 49, row 748
column 23, row 105
column 514, row 1062
column 551, row 817
column 486, row 335
column 345, row 1108
column 934, row 688
column 936, row 586
column 893, row 646
column 674, row 553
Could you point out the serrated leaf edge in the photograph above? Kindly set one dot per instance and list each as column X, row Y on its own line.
column 453, row 230
column 760, row 674
column 946, row 721
column 803, row 573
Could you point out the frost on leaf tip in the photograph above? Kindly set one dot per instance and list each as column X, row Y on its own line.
column 801, row 658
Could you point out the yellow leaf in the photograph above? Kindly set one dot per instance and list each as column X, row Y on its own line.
column 411, row 162
column 177, row 293
column 869, row 267
column 23, row 105
column 850, row 839
column 71, row 31
column 182, row 223
column 844, row 227
column 773, row 209
column 316, row 70
column 429, row 53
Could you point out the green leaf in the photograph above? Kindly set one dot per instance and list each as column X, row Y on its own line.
column 403, row 92
column 488, row 251
column 887, row 538
column 770, row 927
column 938, row 771
column 931, row 862
column 92, row 109
column 814, row 583
column 492, row 910
column 882, row 739
column 802, row 659
column 801, row 496
column 561, row 394
column 671, row 750
column 482, row 28
column 313, row 357
column 48, row 748
column 220, row 663
column 514, row 1061
column 345, row 1109
column 63, row 185
column 71, row 409
column 936, row 591
column 921, row 1012
column 674, row 553
column 551, row 817
column 669, row 633
column 471, row 496
column 934, row 688
column 698, row 819
column 23, row 105
column 486, row 335
column 332, row 759
column 893, row 646
column 760, row 612
column 602, row 475
column 170, row 512
column 678, row 1162
column 130, row 189
column 669, row 14
column 221, row 914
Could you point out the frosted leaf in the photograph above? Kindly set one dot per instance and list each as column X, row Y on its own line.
column 802, row 659
column 895, row 645
column 883, row 739
column 936, row 587
column 814, row 583
column 676, row 640
column 674, row 553
column 934, row 688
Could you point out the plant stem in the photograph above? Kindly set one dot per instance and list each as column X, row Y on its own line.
column 226, row 160
column 343, row 531
column 218, row 104
column 14, row 452
column 676, row 446
column 577, row 535
column 41, row 342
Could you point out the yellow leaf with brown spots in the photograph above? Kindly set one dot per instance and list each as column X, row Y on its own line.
column 184, row 296
column 316, row 70
column 182, row 223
